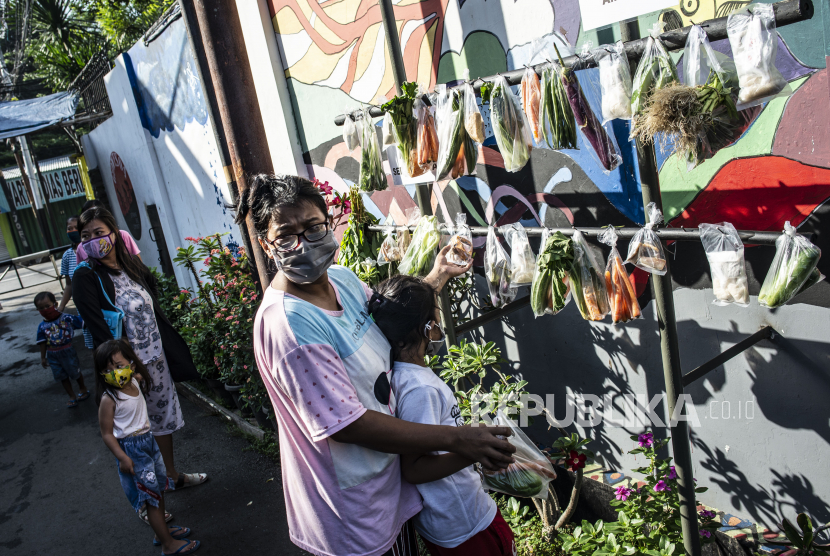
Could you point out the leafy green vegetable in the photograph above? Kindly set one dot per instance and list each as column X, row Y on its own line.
column 406, row 125
column 359, row 243
column 453, row 137
column 552, row 266
column 516, row 480
column 795, row 260
column 372, row 176
column 510, row 127
column 656, row 70
column 418, row 259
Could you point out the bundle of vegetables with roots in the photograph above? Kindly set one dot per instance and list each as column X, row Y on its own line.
column 699, row 121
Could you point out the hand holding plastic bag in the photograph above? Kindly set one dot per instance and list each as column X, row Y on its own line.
column 645, row 250
column 754, row 44
column 621, row 293
column 420, row 256
column 551, row 289
column 461, row 244
column 725, row 252
column 531, row 472
column 615, row 82
column 588, row 281
column 510, row 126
column 522, row 259
column 497, row 271
column 794, row 263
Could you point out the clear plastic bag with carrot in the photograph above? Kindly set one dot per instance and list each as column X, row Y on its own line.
column 531, row 101
column 588, row 281
column 621, row 293
column 426, row 151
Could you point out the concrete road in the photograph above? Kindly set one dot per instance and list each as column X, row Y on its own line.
column 59, row 490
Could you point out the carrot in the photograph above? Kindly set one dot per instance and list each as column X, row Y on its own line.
column 629, row 289
column 608, row 281
column 458, row 167
column 531, row 98
column 618, row 303
column 433, row 138
column 591, row 304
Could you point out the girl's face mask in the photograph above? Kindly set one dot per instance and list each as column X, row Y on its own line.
column 119, row 377
column 98, row 247
column 434, row 346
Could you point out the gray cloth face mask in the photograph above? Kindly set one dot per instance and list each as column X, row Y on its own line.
column 308, row 261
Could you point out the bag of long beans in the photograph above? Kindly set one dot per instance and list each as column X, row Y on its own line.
column 556, row 119
column 420, row 256
column 655, row 71
column 510, row 126
column 372, row 176
column 497, row 271
column 615, row 82
column 551, row 289
column 621, row 294
column 588, row 281
column 600, row 138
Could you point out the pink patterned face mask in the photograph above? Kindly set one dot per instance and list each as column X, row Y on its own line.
column 99, row 247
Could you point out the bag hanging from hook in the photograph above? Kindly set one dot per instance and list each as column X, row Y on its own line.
column 621, row 293
column 645, row 250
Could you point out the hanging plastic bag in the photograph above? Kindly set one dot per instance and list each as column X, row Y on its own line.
column 522, row 259
column 551, row 290
column 615, row 82
column 531, row 472
column 402, row 113
column 795, row 260
column 655, row 71
column 601, row 139
column 725, row 252
column 621, row 294
column 531, row 101
column 473, row 122
column 645, row 250
column 420, row 256
column 461, row 244
column 754, row 44
column 497, row 271
column 387, row 130
column 350, row 134
column 457, row 152
column 510, row 126
column 372, row 176
column 427, row 146
column 588, row 281
column 556, row 119
column 700, row 60
column 389, row 250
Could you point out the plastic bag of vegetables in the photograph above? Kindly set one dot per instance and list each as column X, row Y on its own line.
column 601, row 138
column 419, row 258
column 700, row 60
column 754, row 44
column 457, row 152
column 615, row 82
column 725, row 252
column 588, row 281
column 794, row 264
column 510, row 126
column 522, row 259
column 621, row 293
column 497, row 271
column 461, row 243
column 427, row 145
column 372, row 176
column 551, row 290
column 556, row 119
column 387, row 130
column 531, row 102
column 358, row 242
column 655, row 71
column 473, row 122
column 645, row 250
column 531, row 472
column 350, row 134
column 405, row 126
column 389, row 250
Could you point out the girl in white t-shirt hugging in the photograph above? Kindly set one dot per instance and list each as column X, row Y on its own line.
column 458, row 518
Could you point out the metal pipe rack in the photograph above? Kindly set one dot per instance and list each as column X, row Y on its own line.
column 786, row 12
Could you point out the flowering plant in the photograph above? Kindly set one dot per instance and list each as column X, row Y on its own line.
column 340, row 207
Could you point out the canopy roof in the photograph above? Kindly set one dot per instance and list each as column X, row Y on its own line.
column 20, row 117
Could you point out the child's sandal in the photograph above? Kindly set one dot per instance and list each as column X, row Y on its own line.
column 180, row 534
column 195, row 546
column 71, row 403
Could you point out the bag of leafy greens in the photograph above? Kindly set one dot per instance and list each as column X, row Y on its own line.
column 551, row 289
column 510, row 126
column 420, row 256
column 372, row 176
column 655, row 71
column 794, row 263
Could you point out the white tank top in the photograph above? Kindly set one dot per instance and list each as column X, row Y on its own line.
column 130, row 414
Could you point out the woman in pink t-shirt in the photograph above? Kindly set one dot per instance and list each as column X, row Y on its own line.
column 326, row 366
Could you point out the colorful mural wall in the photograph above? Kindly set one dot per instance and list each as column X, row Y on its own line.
column 334, row 59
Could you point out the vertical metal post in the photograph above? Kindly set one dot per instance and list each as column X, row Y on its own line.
column 14, row 265
column 672, row 373
column 393, row 42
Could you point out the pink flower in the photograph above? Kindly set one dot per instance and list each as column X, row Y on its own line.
column 244, row 366
column 190, row 239
column 646, row 440
column 705, row 533
column 229, row 318
column 236, row 322
column 235, row 346
column 672, row 473
column 207, row 260
column 661, row 486
column 623, row 493
column 347, row 207
column 183, row 291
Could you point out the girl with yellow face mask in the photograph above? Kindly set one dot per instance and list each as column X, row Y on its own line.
column 120, row 379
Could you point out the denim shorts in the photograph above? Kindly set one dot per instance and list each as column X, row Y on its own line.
column 64, row 364
column 150, row 478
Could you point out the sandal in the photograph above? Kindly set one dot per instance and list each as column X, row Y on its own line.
column 194, row 544
column 142, row 515
column 181, row 533
column 193, row 479
column 82, row 397
column 71, row 403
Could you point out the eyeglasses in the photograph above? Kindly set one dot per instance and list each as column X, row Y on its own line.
column 289, row 242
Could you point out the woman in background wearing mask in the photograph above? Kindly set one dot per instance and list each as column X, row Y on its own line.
column 326, row 367
column 114, row 276
column 69, row 260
